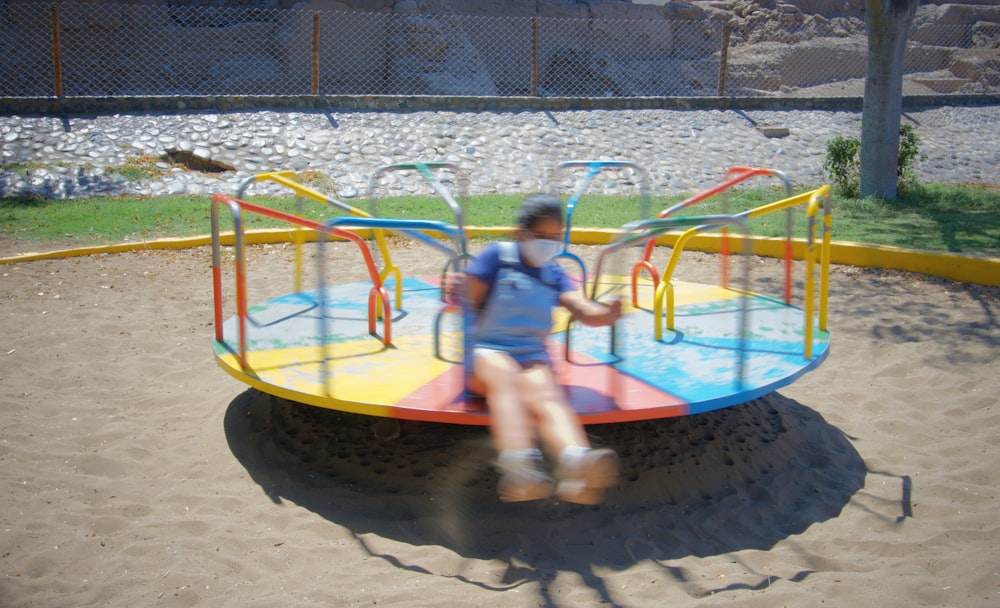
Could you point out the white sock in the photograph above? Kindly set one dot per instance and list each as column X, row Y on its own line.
column 519, row 460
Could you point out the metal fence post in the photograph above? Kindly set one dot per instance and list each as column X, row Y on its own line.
column 315, row 55
column 724, row 60
column 534, row 56
column 56, row 53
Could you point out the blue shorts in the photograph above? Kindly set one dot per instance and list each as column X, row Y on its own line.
column 522, row 356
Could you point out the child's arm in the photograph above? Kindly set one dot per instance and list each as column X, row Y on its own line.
column 455, row 283
column 588, row 311
column 477, row 292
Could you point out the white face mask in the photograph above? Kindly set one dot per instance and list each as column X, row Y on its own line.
column 538, row 252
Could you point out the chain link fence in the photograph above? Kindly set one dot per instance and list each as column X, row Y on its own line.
column 112, row 50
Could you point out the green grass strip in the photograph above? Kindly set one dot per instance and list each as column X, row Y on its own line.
column 961, row 219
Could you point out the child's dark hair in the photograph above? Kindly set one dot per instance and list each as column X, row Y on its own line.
column 538, row 207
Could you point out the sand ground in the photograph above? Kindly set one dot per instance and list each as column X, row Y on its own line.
column 136, row 473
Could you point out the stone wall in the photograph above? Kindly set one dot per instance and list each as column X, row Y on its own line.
column 819, row 47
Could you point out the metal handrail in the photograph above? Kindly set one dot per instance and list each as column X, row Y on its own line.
column 237, row 207
column 594, row 168
column 425, row 169
column 416, row 229
column 642, row 231
column 813, row 199
column 733, row 177
column 287, row 179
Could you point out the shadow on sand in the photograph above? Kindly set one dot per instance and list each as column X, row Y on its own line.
column 744, row 477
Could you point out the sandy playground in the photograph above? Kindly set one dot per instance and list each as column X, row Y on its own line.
column 136, row 473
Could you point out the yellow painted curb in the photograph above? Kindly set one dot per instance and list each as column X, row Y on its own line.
column 256, row 236
column 963, row 268
column 953, row 266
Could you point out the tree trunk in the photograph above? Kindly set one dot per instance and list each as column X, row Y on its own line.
column 887, row 22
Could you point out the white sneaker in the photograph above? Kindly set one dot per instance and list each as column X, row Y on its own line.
column 522, row 476
column 583, row 478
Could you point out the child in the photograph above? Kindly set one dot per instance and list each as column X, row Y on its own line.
column 513, row 287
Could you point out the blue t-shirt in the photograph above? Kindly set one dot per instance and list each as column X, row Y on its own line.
column 517, row 314
column 486, row 265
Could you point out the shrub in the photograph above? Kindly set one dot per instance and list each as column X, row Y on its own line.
column 909, row 154
column 843, row 162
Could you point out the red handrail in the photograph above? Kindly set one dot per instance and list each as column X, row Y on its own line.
column 237, row 206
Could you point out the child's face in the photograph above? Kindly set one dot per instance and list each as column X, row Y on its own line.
column 546, row 228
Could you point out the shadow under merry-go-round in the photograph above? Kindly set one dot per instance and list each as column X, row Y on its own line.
column 743, row 477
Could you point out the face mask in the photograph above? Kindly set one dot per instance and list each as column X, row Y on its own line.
column 539, row 252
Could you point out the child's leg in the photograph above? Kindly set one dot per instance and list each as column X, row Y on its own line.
column 584, row 473
column 495, row 375
column 558, row 424
column 519, row 461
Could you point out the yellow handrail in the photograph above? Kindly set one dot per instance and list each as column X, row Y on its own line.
column 665, row 289
column 817, row 196
column 664, row 294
